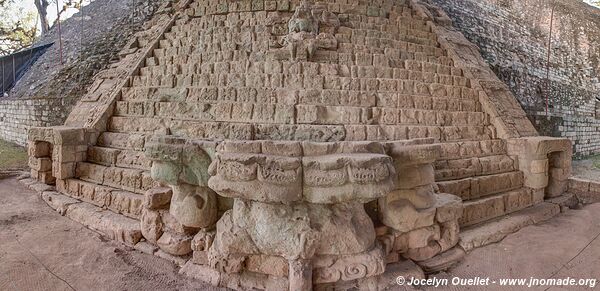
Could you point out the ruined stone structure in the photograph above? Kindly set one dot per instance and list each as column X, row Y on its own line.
column 513, row 36
column 288, row 145
column 46, row 92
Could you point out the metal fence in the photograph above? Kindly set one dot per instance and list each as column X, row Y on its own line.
column 13, row 66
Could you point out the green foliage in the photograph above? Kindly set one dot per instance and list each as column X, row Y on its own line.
column 12, row 156
column 16, row 32
column 595, row 161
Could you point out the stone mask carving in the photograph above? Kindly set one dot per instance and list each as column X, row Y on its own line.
column 183, row 166
column 304, row 36
column 303, row 20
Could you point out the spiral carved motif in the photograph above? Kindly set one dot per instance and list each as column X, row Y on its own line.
column 351, row 267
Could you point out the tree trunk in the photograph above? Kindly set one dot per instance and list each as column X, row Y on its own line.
column 42, row 7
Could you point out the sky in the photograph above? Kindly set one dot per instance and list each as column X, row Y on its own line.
column 28, row 5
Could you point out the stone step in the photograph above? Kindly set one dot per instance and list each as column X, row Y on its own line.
column 407, row 20
column 400, row 14
column 278, row 131
column 297, row 114
column 114, row 226
column 311, row 83
column 396, row 31
column 403, row 58
column 388, row 34
column 407, row 63
column 131, row 180
column 405, row 69
column 401, row 51
column 122, row 158
column 124, row 141
column 481, row 186
column 497, row 229
column 486, row 208
column 353, row 45
column 464, row 150
column 393, row 32
column 347, row 55
column 446, row 170
column 466, row 103
column 400, row 25
column 114, row 199
column 383, row 115
column 208, row 43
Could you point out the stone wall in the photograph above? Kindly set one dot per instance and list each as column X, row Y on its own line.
column 16, row 116
column 513, row 38
column 91, row 39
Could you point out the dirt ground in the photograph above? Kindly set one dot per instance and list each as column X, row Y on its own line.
column 566, row 246
column 41, row 250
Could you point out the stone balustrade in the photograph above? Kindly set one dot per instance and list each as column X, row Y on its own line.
column 55, row 151
column 545, row 163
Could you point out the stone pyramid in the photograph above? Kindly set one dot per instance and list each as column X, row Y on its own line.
column 297, row 144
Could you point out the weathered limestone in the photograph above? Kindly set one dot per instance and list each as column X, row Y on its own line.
column 586, row 191
column 323, row 216
column 291, row 145
column 172, row 215
column 422, row 223
column 183, row 167
column 409, row 207
column 115, row 226
column 496, row 230
column 323, row 223
column 55, row 151
column 544, row 161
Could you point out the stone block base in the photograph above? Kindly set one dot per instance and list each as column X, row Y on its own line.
column 241, row 281
column 586, row 191
column 114, row 226
column 442, row 261
column 256, row 281
column 496, row 230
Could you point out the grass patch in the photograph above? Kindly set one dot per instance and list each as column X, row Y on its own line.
column 12, row 156
column 595, row 161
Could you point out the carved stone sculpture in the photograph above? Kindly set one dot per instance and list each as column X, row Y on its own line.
column 181, row 165
column 310, row 28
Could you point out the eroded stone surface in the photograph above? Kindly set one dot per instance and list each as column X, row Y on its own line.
column 297, row 231
column 114, row 226
column 291, row 144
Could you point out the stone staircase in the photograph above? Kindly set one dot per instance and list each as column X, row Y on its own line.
column 115, row 175
column 376, row 93
column 382, row 86
column 485, row 177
